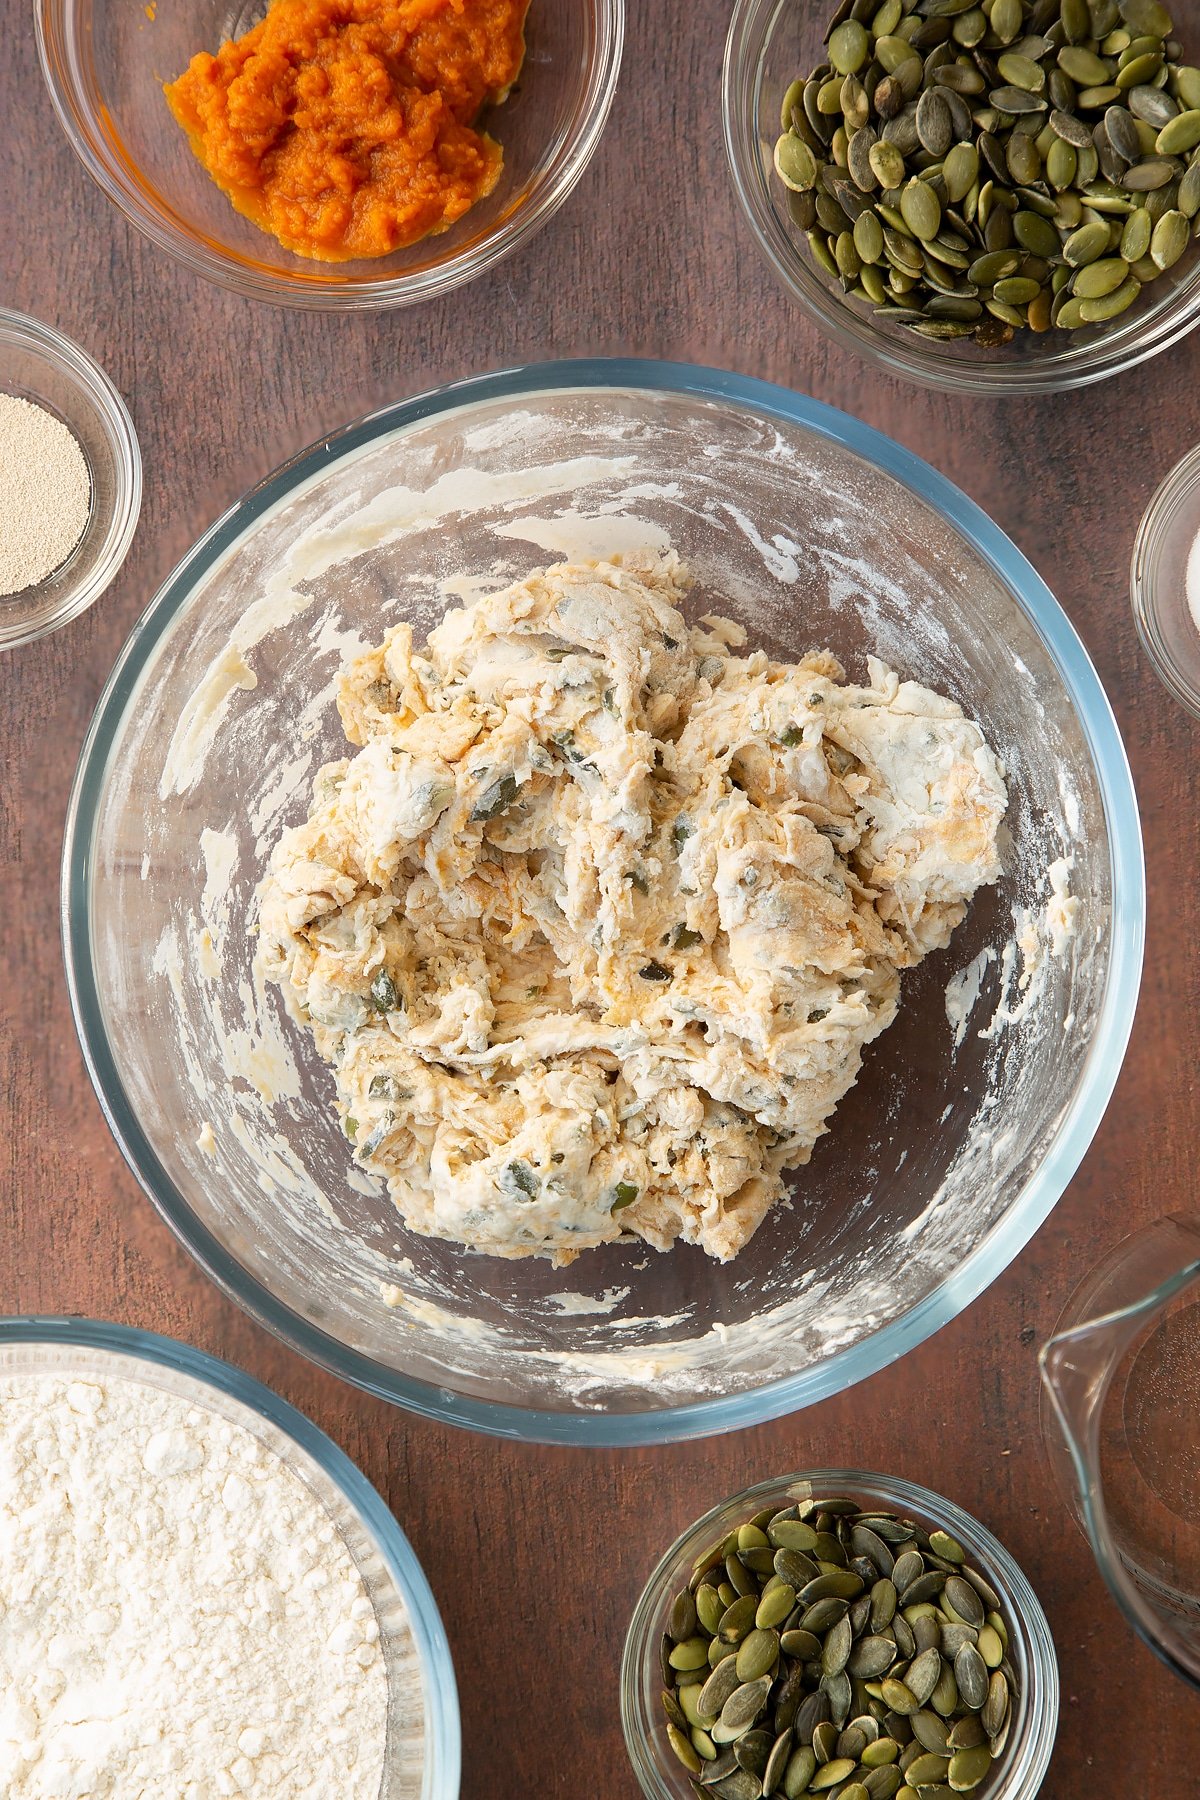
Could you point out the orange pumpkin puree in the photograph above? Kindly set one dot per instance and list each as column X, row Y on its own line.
column 345, row 128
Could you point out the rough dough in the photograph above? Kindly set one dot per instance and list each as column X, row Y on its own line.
column 595, row 925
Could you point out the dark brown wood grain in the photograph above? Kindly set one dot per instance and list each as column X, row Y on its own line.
column 537, row 1555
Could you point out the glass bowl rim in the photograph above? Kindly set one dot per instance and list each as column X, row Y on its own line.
column 443, row 1735
column 96, row 388
column 1078, row 1122
column 1001, row 1565
column 1183, row 478
column 319, row 289
column 852, row 330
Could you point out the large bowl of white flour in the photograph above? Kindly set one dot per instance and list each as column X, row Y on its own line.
column 811, row 533
column 199, row 1594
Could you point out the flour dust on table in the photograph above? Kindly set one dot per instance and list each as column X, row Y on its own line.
column 180, row 1618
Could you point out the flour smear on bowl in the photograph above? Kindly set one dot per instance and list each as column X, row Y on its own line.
column 180, row 1618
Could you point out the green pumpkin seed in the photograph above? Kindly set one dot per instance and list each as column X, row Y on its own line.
column 801, row 1768
column 927, row 1771
column 921, row 209
column 945, row 1696
column 849, row 47
column 744, row 1705
column 1086, row 244
column 684, row 1750
column 841, row 1584
column 777, row 1762
column 970, row 1670
column 795, row 164
column 931, row 1732
column 757, row 1653
column 1035, row 234
column 792, row 99
column 837, row 1648
column 995, row 1706
column 692, row 1654
column 868, row 237
column 689, row 1703
column 752, row 1750
column 1140, row 72
column 961, row 1596
column 791, row 1534
column 883, row 1751
column 741, row 1785
column 1090, row 283
column 1145, row 177
column 871, row 1657
column 923, row 1674
column 911, row 1564
column 1110, row 306
column 968, row 1768
column 738, row 1618
column 1084, row 66
column 1018, row 290
column 900, row 1698
column 1007, row 19
column 1189, row 190
column 1135, row 236
column 831, row 1774
column 882, row 1783
column 824, row 1740
column 681, row 1622
column 1169, row 240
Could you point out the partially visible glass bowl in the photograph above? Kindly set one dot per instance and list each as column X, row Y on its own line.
column 424, row 1749
column 38, row 363
column 105, row 62
column 1031, row 1648
column 812, row 530
column 1165, row 581
column 770, row 43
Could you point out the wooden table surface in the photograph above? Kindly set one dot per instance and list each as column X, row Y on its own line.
column 537, row 1555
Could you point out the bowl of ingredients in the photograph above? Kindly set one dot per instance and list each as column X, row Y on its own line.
column 70, row 480
column 1165, row 581
column 994, row 199
column 842, row 1633
column 334, row 153
column 239, row 1609
column 604, row 902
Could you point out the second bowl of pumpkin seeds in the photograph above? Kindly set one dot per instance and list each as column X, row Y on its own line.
column 995, row 197
column 840, row 1634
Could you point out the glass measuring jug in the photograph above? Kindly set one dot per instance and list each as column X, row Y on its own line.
column 1121, row 1414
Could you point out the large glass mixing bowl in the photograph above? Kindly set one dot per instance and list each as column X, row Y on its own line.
column 972, row 1111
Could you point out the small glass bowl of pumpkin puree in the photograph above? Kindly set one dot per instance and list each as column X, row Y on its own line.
column 334, row 153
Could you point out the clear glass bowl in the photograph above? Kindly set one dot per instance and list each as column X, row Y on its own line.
column 812, row 529
column 1031, row 1647
column 105, row 62
column 770, row 43
column 40, row 364
column 1166, row 562
column 423, row 1748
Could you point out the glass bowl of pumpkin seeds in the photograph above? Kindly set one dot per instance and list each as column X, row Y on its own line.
column 989, row 196
column 844, row 1635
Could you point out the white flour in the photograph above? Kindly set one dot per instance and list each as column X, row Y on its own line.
column 179, row 1616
